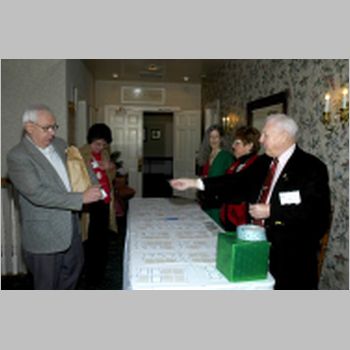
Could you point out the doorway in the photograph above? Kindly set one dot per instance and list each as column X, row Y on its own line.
column 157, row 153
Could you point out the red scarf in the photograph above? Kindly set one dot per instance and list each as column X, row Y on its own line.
column 101, row 176
column 236, row 214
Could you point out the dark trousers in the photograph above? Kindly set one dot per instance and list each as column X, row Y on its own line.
column 293, row 264
column 57, row 270
column 97, row 242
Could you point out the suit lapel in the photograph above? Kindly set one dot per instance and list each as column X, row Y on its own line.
column 60, row 151
column 287, row 175
column 43, row 162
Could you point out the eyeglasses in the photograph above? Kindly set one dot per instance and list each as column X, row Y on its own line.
column 47, row 128
column 237, row 142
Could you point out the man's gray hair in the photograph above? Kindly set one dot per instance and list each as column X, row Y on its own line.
column 31, row 113
column 285, row 123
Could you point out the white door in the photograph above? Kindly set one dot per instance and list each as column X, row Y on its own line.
column 127, row 130
column 187, row 126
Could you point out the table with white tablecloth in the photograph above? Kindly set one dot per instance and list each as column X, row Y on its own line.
column 171, row 244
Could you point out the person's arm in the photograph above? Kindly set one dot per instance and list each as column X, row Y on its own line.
column 182, row 184
column 28, row 182
column 218, row 187
column 235, row 188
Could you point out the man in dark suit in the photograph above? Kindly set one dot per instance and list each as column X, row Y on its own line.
column 49, row 210
column 296, row 208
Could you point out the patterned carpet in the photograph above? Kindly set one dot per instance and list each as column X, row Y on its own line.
column 113, row 276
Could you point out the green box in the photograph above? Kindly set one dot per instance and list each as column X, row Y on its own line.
column 240, row 260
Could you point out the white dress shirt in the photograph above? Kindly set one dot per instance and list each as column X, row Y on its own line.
column 57, row 163
column 282, row 161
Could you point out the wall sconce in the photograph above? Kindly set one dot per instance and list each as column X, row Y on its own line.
column 230, row 121
column 342, row 113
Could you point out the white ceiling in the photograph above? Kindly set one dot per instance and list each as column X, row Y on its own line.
column 157, row 70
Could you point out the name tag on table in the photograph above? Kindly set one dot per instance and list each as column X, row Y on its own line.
column 291, row 197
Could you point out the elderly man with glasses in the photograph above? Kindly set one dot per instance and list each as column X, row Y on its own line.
column 49, row 209
column 289, row 195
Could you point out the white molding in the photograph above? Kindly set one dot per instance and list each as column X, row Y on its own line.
column 145, row 108
column 139, row 100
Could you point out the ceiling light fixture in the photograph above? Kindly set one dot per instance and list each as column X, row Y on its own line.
column 186, row 79
column 137, row 91
column 115, row 75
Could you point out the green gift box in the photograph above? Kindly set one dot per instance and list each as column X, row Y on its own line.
column 240, row 260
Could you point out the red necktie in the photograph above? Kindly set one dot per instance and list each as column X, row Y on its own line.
column 266, row 188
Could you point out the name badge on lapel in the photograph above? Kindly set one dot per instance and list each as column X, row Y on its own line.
column 290, row 197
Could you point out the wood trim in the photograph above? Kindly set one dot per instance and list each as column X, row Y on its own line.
column 322, row 253
column 5, row 182
column 281, row 97
column 71, row 123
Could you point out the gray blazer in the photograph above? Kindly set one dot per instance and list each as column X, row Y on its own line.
column 46, row 207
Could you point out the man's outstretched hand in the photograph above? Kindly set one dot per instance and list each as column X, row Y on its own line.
column 183, row 184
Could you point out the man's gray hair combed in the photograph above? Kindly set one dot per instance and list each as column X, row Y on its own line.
column 284, row 122
column 31, row 112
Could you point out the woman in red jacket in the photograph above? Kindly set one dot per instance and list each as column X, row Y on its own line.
column 245, row 148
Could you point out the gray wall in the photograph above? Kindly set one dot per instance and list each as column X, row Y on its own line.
column 78, row 76
column 24, row 82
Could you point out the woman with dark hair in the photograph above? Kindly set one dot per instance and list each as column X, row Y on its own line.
column 101, row 214
column 214, row 159
column 245, row 148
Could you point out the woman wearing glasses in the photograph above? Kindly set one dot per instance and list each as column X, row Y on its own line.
column 245, row 148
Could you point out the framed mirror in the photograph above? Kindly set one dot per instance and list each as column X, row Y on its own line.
column 258, row 110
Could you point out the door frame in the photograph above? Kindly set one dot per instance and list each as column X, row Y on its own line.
column 142, row 109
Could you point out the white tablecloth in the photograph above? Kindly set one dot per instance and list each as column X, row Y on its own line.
column 171, row 244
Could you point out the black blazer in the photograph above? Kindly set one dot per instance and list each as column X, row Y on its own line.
column 294, row 229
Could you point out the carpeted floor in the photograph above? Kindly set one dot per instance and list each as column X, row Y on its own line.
column 113, row 276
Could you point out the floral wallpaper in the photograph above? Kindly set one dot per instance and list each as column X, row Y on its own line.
column 307, row 81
